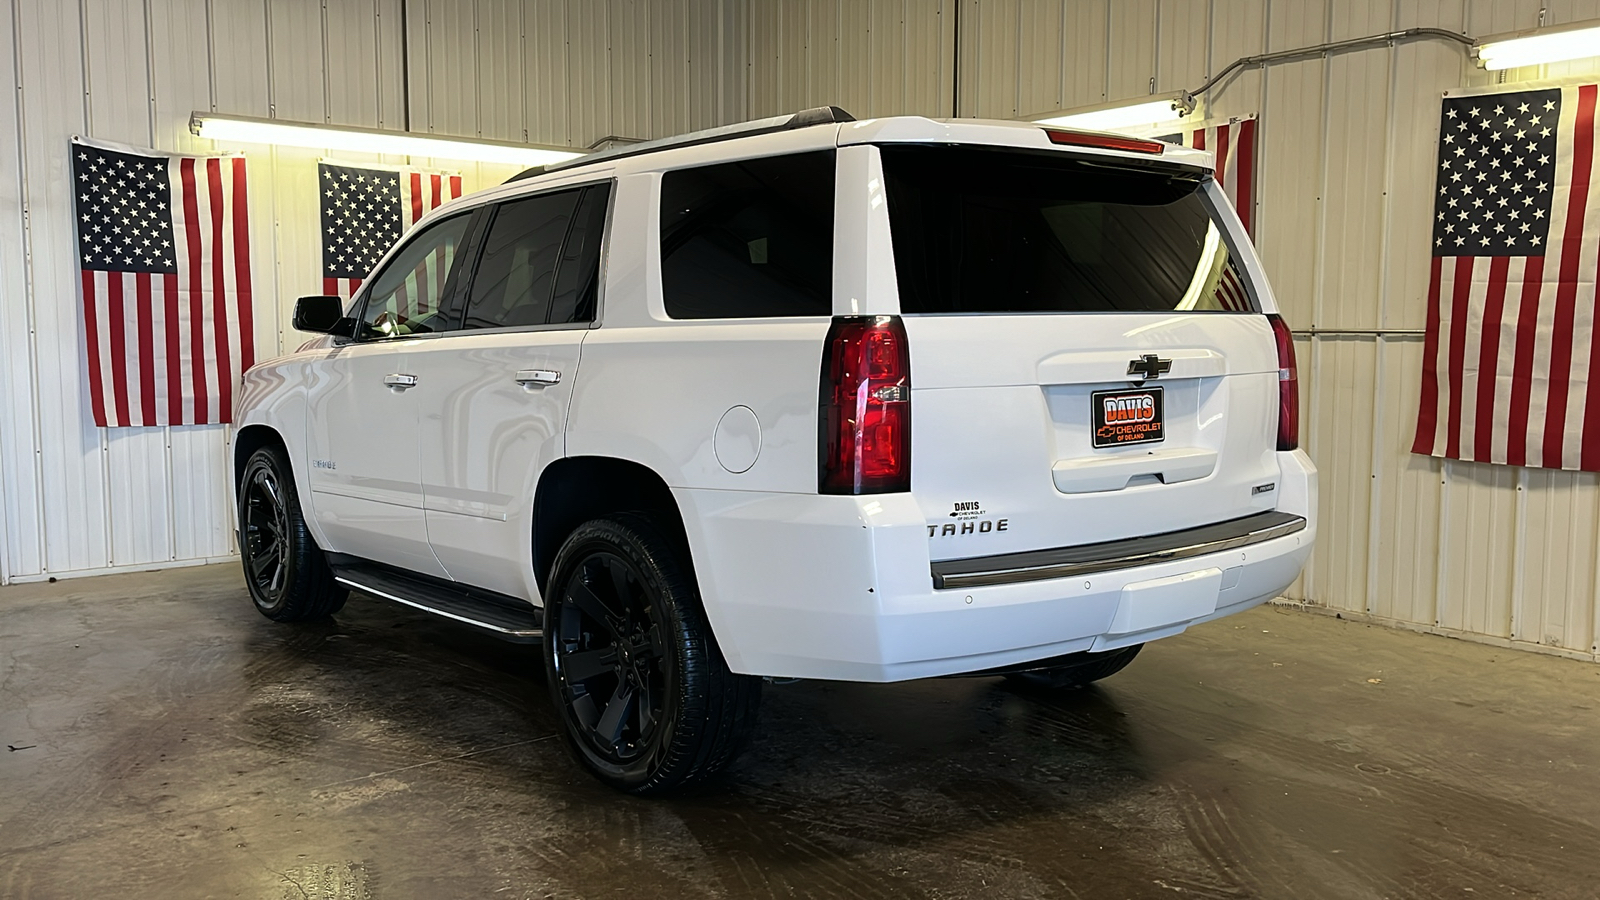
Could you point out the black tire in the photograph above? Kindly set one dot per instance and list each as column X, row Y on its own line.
column 286, row 572
column 646, row 701
column 1091, row 668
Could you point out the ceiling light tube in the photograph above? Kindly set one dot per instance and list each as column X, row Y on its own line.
column 1138, row 115
column 1539, row 46
column 251, row 130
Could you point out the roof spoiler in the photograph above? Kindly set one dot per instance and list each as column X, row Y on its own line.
column 805, row 118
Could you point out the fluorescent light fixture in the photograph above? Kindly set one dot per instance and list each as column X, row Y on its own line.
column 250, row 130
column 1537, row 47
column 1122, row 116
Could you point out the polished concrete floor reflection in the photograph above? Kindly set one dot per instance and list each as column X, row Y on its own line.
column 172, row 743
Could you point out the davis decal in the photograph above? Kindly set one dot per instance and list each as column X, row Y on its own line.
column 1127, row 417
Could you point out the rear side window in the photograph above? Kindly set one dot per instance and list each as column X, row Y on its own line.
column 540, row 262
column 516, row 272
column 749, row 239
column 999, row 231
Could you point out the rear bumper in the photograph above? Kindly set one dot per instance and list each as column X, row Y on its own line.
column 842, row 587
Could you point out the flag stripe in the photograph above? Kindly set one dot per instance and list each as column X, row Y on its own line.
column 1245, row 173
column 116, row 317
column 1488, row 358
column 1566, row 280
column 219, row 273
column 239, row 208
column 174, row 353
column 91, row 321
column 147, row 356
column 1428, row 407
column 1522, row 365
column 1460, row 297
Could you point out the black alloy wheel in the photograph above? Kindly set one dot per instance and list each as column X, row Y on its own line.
column 264, row 533
column 609, row 656
column 646, row 700
column 285, row 571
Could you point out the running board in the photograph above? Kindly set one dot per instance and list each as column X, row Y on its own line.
column 507, row 618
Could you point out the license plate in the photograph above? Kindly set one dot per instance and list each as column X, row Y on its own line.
column 1127, row 417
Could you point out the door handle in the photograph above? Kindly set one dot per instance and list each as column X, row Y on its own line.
column 399, row 382
column 538, row 377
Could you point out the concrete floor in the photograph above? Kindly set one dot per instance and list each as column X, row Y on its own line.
column 173, row 743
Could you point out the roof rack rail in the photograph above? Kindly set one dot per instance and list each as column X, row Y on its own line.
column 821, row 115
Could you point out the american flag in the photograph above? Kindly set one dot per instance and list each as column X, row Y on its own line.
column 1234, row 144
column 1509, row 357
column 164, row 255
column 365, row 211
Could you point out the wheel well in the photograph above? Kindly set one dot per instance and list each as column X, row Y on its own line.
column 250, row 439
column 573, row 491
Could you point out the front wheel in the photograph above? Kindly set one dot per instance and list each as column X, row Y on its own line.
column 286, row 572
column 646, row 700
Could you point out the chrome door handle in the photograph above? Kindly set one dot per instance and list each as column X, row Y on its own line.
column 538, row 377
column 399, row 382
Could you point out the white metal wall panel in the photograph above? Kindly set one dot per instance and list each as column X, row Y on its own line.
column 589, row 72
column 1183, row 47
column 871, row 57
column 500, row 43
column 20, row 524
column 75, row 498
column 544, row 74
column 1084, row 50
column 1130, row 49
column 73, row 466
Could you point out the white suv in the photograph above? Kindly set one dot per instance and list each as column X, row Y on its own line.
column 804, row 398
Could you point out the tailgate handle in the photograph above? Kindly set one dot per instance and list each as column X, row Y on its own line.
column 1112, row 473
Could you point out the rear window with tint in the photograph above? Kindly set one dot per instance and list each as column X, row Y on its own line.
column 978, row 230
column 749, row 239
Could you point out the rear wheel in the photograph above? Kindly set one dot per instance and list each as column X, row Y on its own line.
column 646, row 701
column 1091, row 668
column 286, row 572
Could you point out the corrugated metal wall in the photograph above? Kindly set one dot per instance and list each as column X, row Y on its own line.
column 1347, row 143
column 1348, row 148
column 75, row 498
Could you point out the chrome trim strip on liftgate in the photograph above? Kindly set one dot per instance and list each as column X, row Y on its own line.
column 1088, row 559
column 523, row 633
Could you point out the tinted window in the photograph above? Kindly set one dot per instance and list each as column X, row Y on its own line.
column 749, row 239
column 407, row 296
column 517, row 270
column 978, row 230
column 578, row 275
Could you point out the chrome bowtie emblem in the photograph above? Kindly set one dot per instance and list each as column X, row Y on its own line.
column 1149, row 366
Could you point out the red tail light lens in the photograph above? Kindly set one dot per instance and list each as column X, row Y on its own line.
column 865, row 414
column 1288, row 385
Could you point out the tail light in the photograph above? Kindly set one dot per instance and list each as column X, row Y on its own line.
column 864, row 419
column 1288, row 385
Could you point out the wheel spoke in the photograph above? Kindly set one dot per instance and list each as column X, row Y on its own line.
column 586, row 664
column 277, row 577
column 619, row 582
column 269, row 489
column 260, row 560
column 586, row 600
column 616, row 715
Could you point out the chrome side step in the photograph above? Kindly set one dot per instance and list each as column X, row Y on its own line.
column 507, row 618
column 1087, row 559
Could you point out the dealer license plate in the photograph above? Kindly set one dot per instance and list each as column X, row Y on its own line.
column 1127, row 417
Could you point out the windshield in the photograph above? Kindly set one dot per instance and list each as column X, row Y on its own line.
column 981, row 230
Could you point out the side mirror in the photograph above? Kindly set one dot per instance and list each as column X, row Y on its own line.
column 320, row 314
